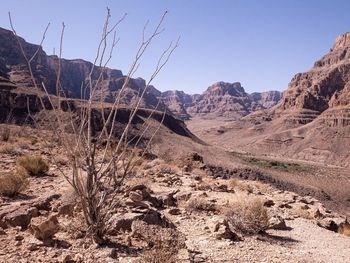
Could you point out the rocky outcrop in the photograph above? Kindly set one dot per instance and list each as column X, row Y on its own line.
column 221, row 99
column 266, row 99
column 325, row 86
column 230, row 100
column 178, row 102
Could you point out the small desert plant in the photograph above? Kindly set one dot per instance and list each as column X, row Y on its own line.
column 248, row 217
column 5, row 134
column 12, row 184
column 8, row 149
column 233, row 182
column 163, row 243
column 35, row 165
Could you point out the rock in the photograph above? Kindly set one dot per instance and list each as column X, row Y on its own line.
column 223, row 231
column 331, row 224
column 32, row 246
column 19, row 237
column 20, row 217
column 2, row 232
column 136, row 196
column 307, row 200
column 68, row 259
column 44, row 228
column 114, row 253
column 123, row 222
column 174, row 211
column 66, row 209
column 318, row 214
column 44, row 202
column 278, row 223
column 169, row 199
column 269, row 203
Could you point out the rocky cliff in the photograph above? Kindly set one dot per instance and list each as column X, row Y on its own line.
column 325, row 86
column 221, row 99
column 74, row 74
column 311, row 121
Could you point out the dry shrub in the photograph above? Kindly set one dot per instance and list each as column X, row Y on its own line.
column 5, row 134
column 8, row 149
column 233, row 183
column 199, row 204
column 248, row 217
column 163, row 243
column 12, row 184
column 246, row 187
column 35, row 165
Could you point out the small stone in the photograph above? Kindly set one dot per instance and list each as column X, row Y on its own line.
column 174, row 211
column 114, row 253
column 18, row 243
column 19, row 237
column 2, row 232
column 68, row 259
column 269, row 203
column 136, row 196
column 277, row 222
column 32, row 247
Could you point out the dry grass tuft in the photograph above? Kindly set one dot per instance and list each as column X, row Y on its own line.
column 5, row 134
column 233, row 183
column 163, row 243
column 8, row 149
column 12, row 184
column 248, row 217
column 35, row 165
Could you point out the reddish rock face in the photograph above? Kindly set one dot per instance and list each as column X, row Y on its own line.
column 74, row 74
column 326, row 85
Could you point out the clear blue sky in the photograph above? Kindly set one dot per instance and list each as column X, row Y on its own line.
column 261, row 43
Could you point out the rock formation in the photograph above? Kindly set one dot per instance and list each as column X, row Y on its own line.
column 221, row 99
column 74, row 74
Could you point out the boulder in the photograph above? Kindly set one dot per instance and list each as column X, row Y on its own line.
column 278, row 223
column 223, row 231
column 44, row 228
column 20, row 217
column 123, row 222
column 331, row 223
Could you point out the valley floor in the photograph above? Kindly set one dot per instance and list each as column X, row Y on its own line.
column 198, row 210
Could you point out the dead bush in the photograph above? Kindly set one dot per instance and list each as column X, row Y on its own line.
column 35, row 165
column 12, row 184
column 248, row 217
column 163, row 243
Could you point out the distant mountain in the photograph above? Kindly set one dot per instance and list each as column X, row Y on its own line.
column 221, row 99
column 312, row 119
column 74, row 74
